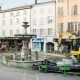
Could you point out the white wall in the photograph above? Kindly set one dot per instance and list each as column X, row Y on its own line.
column 7, row 27
column 43, row 11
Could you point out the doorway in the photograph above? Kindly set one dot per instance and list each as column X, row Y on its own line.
column 49, row 47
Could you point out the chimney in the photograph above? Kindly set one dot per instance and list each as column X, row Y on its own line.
column 0, row 8
column 35, row 1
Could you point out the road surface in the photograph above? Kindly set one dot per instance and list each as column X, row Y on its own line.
column 11, row 73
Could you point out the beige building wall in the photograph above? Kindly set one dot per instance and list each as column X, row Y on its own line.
column 67, row 16
column 61, row 18
column 74, row 17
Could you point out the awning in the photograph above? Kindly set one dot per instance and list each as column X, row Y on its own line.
column 66, row 35
column 9, row 38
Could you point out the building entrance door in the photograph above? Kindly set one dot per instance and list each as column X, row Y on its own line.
column 49, row 47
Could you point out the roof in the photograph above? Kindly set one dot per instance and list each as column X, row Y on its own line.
column 24, row 7
column 44, row 3
column 16, row 8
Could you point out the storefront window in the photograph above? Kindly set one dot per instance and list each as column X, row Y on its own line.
column 36, row 46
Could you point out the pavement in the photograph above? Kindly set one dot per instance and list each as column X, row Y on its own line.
column 11, row 73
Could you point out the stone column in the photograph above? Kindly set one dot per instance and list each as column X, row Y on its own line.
column 44, row 45
column 14, row 56
column 24, row 53
column 55, row 46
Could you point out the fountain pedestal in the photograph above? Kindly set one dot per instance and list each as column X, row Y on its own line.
column 24, row 52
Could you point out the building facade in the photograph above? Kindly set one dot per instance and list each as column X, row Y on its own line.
column 68, row 16
column 43, row 25
column 41, row 18
column 11, row 21
column 67, row 21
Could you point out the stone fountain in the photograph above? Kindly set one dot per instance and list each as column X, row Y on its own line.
column 25, row 40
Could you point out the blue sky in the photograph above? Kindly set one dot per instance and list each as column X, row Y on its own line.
column 6, row 4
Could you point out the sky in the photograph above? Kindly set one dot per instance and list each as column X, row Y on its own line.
column 6, row 4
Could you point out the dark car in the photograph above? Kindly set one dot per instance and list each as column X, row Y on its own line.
column 46, row 66
column 35, row 66
column 70, row 68
column 75, row 68
column 53, row 66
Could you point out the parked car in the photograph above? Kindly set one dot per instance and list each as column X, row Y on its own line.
column 75, row 68
column 46, row 66
column 35, row 66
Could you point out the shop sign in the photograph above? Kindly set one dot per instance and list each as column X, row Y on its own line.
column 37, row 40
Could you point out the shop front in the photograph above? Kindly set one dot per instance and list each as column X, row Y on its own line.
column 38, row 44
column 49, row 47
column 66, row 45
column 11, row 43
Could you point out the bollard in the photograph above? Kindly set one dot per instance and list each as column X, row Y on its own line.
column 22, row 64
column 65, row 68
column 29, row 65
column 36, row 55
column 26, row 65
column 29, row 55
column 17, row 64
column 7, row 61
column 46, row 67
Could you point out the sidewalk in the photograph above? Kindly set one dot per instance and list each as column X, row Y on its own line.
column 41, row 56
column 6, row 54
column 52, row 56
